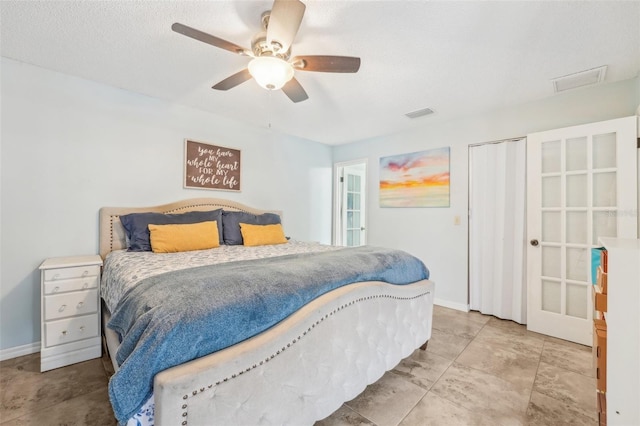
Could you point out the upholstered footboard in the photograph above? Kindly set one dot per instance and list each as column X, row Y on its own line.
column 303, row 369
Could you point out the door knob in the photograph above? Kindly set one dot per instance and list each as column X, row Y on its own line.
column 534, row 242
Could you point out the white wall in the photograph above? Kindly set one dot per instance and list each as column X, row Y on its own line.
column 71, row 146
column 430, row 233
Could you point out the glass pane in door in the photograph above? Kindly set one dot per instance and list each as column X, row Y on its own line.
column 551, row 191
column 577, row 190
column 605, row 224
column 576, row 154
column 604, row 151
column 577, row 264
column 551, row 262
column 551, row 227
column 577, row 300
column 551, row 157
column 576, row 225
column 551, row 296
column 604, row 189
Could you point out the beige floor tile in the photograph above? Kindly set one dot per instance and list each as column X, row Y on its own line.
column 88, row 409
column 458, row 323
column 422, row 368
column 484, row 393
column 509, row 337
column 507, row 352
column 345, row 416
column 545, row 410
column 387, row 401
column 501, row 361
column 25, row 389
column 568, row 387
column 473, row 316
column 569, row 355
column 433, row 410
column 446, row 345
column 513, row 328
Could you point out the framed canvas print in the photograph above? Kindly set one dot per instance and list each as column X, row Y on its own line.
column 417, row 179
column 211, row 166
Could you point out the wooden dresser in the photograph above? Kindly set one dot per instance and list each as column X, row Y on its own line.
column 618, row 369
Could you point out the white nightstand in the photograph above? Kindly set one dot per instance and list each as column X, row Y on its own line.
column 70, row 313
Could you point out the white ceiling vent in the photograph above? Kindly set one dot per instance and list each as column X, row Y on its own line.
column 579, row 79
column 420, row 113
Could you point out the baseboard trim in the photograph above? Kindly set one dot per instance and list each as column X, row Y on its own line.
column 453, row 305
column 17, row 351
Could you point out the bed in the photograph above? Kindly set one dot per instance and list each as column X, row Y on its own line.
column 297, row 371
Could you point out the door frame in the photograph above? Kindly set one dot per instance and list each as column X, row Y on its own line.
column 338, row 171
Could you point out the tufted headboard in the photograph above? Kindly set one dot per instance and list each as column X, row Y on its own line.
column 112, row 236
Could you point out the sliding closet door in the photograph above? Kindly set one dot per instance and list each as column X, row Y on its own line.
column 497, row 186
column 581, row 186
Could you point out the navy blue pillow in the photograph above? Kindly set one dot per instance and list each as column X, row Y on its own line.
column 136, row 225
column 231, row 224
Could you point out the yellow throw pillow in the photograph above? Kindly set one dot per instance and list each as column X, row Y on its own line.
column 184, row 237
column 261, row 235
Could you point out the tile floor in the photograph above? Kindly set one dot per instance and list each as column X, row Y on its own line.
column 477, row 370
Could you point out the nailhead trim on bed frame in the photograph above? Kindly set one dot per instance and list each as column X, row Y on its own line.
column 278, row 352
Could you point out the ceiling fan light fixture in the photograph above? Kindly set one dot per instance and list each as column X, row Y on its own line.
column 270, row 72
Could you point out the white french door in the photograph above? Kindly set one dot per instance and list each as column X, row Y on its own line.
column 351, row 204
column 581, row 186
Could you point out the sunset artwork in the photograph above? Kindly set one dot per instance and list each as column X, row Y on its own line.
column 418, row 179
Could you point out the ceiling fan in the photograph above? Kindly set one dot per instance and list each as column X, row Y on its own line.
column 271, row 65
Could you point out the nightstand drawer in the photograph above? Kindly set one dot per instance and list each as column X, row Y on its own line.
column 70, row 304
column 53, row 287
column 66, row 273
column 70, row 330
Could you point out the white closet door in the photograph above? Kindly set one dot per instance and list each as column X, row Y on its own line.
column 497, row 234
column 581, row 186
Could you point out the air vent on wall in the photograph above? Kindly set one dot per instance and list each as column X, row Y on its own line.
column 420, row 113
column 579, row 79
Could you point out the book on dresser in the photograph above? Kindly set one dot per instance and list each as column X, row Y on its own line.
column 70, row 310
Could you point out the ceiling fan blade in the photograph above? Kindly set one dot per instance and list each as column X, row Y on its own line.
column 233, row 81
column 284, row 22
column 294, row 91
column 326, row 63
column 208, row 38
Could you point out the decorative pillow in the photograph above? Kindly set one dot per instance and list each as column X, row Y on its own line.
column 184, row 237
column 231, row 224
column 136, row 225
column 261, row 235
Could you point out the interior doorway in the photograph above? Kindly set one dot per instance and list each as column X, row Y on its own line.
column 350, row 203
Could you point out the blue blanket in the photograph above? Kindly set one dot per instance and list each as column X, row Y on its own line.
column 175, row 317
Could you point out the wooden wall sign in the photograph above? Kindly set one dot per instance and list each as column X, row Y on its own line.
column 211, row 167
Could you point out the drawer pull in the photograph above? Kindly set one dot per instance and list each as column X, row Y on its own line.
column 85, row 285
column 62, row 308
column 55, row 289
column 79, row 305
column 64, row 332
column 85, row 273
column 56, row 276
column 81, row 328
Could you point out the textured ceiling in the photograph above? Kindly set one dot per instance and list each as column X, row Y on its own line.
column 458, row 58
